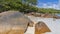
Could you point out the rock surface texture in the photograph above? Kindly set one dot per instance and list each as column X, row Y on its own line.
column 13, row 22
column 41, row 27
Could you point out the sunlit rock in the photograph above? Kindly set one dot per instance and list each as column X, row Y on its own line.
column 41, row 27
column 14, row 22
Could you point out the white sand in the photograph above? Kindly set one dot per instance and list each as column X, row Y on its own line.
column 53, row 24
column 30, row 30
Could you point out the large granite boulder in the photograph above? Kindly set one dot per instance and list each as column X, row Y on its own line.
column 13, row 22
column 41, row 27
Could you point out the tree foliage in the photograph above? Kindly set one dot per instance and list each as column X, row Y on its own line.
column 49, row 10
column 24, row 6
column 21, row 5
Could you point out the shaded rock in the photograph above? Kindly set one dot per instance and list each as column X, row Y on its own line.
column 41, row 27
column 14, row 22
column 31, row 14
column 57, row 17
column 48, row 16
column 44, row 15
column 38, row 15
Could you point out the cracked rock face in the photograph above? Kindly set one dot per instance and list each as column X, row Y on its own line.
column 13, row 22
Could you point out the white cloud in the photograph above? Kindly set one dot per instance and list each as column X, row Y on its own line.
column 54, row 6
column 49, row 5
column 45, row 6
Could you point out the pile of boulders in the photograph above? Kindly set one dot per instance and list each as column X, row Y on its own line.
column 57, row 17
column 40, row 15
column 13, row 22
column 45, row 15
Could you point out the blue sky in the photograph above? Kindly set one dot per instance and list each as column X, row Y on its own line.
column 48, row 4
column 46, row 1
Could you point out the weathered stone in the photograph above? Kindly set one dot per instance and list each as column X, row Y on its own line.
column 48, row 16
column 13, row 19
column 57, row 17
column 41, row 27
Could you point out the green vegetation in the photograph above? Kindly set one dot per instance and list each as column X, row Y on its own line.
column 20, row 5
column 49, row 10
column 24, row 6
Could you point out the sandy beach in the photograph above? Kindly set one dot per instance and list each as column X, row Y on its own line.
column 53, row 25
